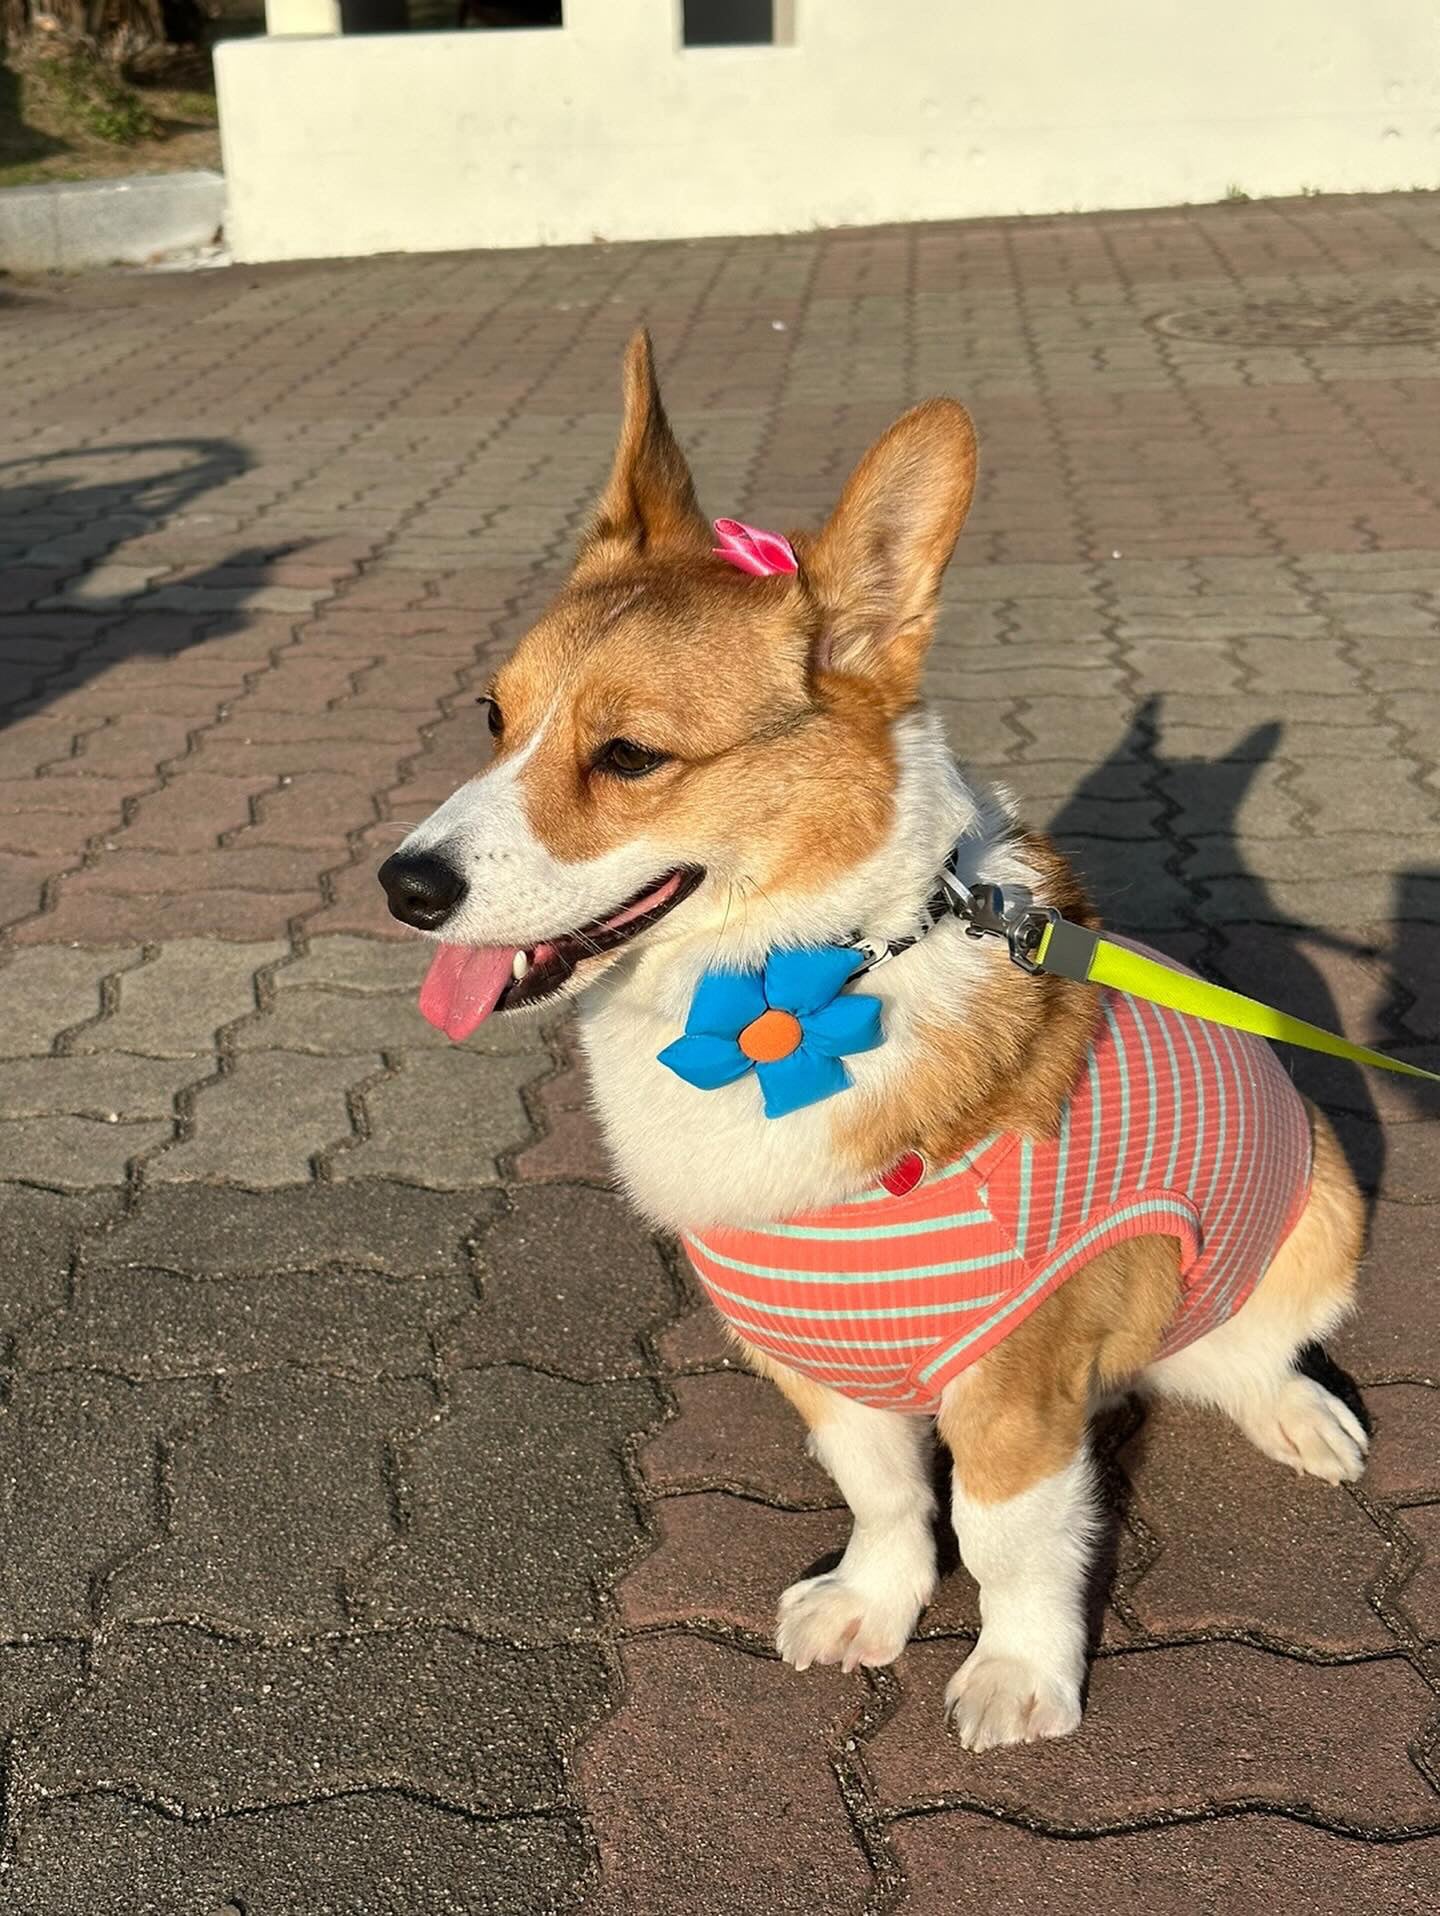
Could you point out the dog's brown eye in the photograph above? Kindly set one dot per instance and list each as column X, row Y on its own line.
column 627, row 759
column 494, row 717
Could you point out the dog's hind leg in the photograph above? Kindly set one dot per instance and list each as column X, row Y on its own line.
column 1247, row 1366
column 864, row 1610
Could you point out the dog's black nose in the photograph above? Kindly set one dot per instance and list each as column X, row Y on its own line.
column 422, row 889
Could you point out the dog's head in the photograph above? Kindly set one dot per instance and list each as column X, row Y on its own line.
column 675, row 736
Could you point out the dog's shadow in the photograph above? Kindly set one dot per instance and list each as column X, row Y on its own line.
column 1193, row 876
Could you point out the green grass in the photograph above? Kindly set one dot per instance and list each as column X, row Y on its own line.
column 199, row 107
column 92, row 94
column 71, row 118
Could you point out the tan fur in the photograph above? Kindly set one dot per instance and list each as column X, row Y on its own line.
column 712, row 670
column 1009, row 1067
column 874, row 571
column 1019, row 1414
column 649, row 503
column 784, row 686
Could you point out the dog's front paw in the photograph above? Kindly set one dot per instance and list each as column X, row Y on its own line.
column 830, row 1619
column 993, row 1699
column 1307, row 1427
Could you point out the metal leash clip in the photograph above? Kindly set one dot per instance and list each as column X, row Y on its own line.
column 873, row 951
column 983, row 911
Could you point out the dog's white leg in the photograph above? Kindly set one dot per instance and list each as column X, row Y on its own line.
column 1029, row 1554
column 1246, row 1369
column 864, row 1610
column 1246, row 1366
column 1025, row 1518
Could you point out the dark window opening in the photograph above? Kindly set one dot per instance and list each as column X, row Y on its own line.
column 444, row 16
column 728, row 23
column 519, row 13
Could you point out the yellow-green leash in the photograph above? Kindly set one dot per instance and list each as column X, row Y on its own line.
column 1041, row 940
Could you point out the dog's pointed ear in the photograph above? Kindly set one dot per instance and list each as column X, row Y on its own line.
column 648, row 504
column 874, row 569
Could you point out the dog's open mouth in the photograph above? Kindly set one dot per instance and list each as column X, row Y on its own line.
column 465, row 983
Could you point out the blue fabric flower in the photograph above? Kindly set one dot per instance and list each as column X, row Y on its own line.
column 786, row 1022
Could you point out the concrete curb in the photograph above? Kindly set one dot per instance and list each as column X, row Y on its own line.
column 70, row 224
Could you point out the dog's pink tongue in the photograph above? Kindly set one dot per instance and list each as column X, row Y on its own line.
column 462, row 986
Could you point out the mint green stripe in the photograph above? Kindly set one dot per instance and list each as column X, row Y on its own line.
column 1124, row 1057
column 1022, row 1221
column 1199, row 1082
column 876, row 1376
column 866, row 1233
column 1142, row 1207
column 1174, row 1101
column 1089, row 1200
column 817, row 1352
column 989, row 1262
column 1220, row 1273
column 1143, row 1029
column 1146, row 1207
column 1057, row 1202
column 852, row 1316
column 1207, row 1032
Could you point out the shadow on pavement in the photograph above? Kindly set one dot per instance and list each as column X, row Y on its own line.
column 1258, row 947
column 1413, row 1004
column 61, row 526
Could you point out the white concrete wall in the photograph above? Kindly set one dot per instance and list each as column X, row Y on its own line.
column 302, row 16
column 879, row 110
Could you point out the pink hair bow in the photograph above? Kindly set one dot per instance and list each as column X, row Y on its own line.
column 754, row 550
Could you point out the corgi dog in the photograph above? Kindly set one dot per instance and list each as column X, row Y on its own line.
column 927, row 1188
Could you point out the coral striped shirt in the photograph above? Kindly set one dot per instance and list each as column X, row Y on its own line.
column 1175, row 1126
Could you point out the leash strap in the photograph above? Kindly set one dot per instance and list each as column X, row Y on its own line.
column 1041, row 940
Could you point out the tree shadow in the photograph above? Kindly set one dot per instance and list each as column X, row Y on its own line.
column 1234, row 930
column 62, row 621
column 20, row 144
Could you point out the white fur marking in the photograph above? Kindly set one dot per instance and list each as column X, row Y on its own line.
column 1245, row 1367
column 519, row 892
column 863, row 1611
column 1029, row 1555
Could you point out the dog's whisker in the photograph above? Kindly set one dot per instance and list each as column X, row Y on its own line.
column 725, row 921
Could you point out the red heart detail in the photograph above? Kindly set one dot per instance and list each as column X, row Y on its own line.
column 904, row 1174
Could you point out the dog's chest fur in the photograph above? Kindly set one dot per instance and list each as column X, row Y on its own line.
column 691, row 1158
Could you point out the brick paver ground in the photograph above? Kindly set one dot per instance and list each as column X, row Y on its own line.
column 384, row 1528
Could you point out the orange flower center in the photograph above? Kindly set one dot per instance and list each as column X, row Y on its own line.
column 772, row 1036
